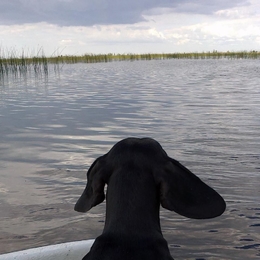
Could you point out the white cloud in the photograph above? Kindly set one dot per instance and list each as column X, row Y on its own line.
column 163, row 30
column 89, row 12
column 241, row 12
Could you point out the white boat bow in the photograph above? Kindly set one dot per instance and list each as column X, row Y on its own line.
column 65, row 251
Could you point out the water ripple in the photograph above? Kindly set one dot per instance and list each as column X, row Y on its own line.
column 203, row 112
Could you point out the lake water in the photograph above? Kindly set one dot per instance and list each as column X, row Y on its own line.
column 205, row 113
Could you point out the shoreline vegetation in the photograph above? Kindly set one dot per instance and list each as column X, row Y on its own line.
column 20, row 65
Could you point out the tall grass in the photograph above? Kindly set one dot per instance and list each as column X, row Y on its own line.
column 94, row 58
column 12, row 63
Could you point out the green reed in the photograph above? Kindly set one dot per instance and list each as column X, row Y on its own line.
column 12, row 63
column 94, row 58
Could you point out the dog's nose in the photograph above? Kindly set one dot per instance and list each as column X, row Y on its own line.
column 81, row 204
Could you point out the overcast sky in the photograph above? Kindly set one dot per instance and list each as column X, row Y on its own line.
column 122, row 26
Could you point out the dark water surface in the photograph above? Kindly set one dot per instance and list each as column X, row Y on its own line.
column 205, row 113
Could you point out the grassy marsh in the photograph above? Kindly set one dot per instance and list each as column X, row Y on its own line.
column 93, row 58
column 12, row 63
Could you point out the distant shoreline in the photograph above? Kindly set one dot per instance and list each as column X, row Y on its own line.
column 12, row 63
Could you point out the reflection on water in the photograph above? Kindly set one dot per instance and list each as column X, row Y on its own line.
column 205, row 113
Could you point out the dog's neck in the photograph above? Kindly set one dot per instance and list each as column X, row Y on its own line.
column 132, row 205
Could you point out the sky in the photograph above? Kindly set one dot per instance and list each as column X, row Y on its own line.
column 77, row 27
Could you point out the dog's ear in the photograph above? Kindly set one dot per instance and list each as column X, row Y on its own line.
column 183, row 192
column 94, row 191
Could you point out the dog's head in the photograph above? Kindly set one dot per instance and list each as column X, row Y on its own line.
column 180, row 190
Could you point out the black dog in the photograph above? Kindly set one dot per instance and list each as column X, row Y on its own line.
column 140, row 176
